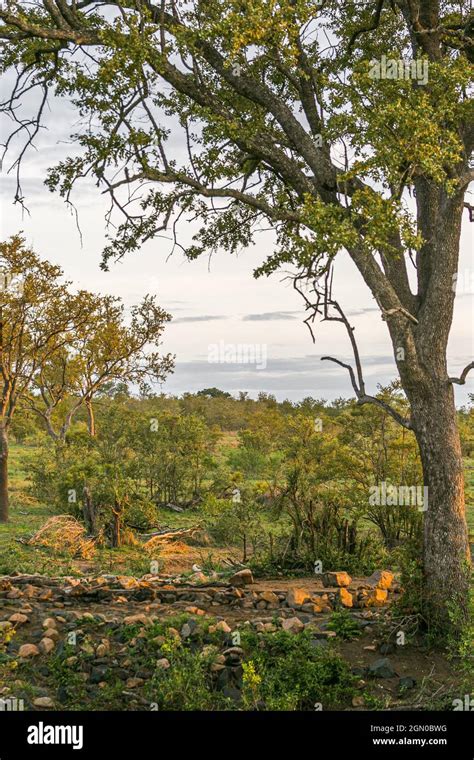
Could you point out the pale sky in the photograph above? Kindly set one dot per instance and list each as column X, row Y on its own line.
column 220, row 300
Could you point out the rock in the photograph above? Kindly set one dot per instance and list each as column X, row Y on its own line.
column 45, row 702
column 163, row 663
column 241, row 578
column 382, row 579
column 99, row 674
column 386, row 648
column 339, row 578
column 18, row 619
column 28, row 650
column 223, row 626
column 232, row 693
column 293, row 624
column 194, row 611
column 102, row 650
column 198, row 577
column 270, row 598
column 132, row 683
column 49, row 623
column 377, row 598
column 15, row 593
column 127, row 582
column 46, row 645
column 87, row 616
column 324, row 635
column 296, row 597
column 358, row 701
column 382, row 669
column 370, row 648
column 407, row 682
column 359, row 671
column 186, row 631
column 139, row 619
column 345, row 597
column 51, row 633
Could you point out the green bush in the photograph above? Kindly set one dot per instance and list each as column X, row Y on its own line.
column 344, row 624
column 290, row 673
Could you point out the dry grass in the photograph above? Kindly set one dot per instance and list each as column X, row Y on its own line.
column 65, row 535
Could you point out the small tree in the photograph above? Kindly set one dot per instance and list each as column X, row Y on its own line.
column 105, row 349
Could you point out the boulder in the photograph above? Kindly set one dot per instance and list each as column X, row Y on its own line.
column 294, row 625
column 382, row 669
column 270, row 598
column 377, row 598
column 338, row 578
column 18, row 619
column 223, row 626
column 28, row 650
column 194, row 610
column 51, row 622
column 51, row 633
column 382, row 579
column 44, row 702
column 345, row 597
column 296, row 597
column 139, row 619
column 126, row 581
column 407, row 682
column 46, row 645
column 241, row 578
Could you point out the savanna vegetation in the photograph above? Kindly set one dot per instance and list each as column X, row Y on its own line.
column 289, row 122
column 107, row 465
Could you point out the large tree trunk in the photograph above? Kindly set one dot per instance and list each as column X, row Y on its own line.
column 433, row 411
column 3, row 475
column 445, row 536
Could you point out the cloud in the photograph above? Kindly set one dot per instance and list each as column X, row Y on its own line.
column 203, row 318
column 360, row 312
column 270, row 316
column 287, row 377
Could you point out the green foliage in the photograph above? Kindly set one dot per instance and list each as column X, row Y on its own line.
column 289, row 673
column 186, row 685
column 345, row 625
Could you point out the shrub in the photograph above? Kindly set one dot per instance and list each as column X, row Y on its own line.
column 290, row 673
column 344, row 624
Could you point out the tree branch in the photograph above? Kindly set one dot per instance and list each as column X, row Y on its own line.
column 462, row 379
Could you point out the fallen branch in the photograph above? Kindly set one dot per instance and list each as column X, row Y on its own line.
column 171, row 533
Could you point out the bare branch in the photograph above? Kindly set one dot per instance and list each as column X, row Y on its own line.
column 462, row 379
column 323, row 305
